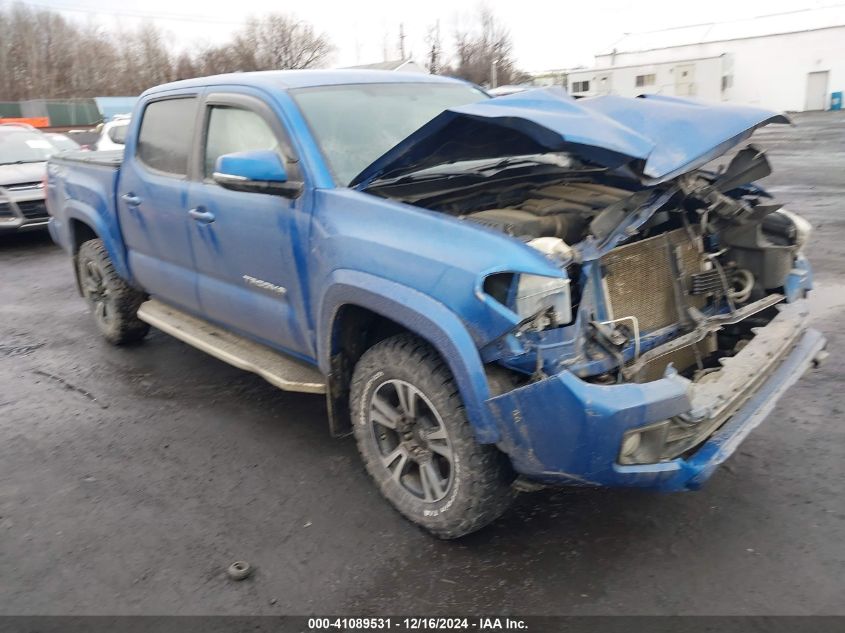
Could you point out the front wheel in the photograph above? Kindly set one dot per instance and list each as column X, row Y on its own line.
column 416, row 443
column 114, row 302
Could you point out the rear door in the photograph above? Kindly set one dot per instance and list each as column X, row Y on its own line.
column 152, row 198
column 248, row 246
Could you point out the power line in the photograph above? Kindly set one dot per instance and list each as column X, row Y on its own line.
column 138, row 14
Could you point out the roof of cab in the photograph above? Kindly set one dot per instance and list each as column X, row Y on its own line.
column 287, row 79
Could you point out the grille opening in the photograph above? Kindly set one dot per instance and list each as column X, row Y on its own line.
column 33, row 209
column 656, row 279
column 640, row 278
column 701, row 359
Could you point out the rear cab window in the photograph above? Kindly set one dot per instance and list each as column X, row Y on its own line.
column 166, row 135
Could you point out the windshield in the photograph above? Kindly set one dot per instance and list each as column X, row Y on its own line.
column 355, row 124
column 23, row 146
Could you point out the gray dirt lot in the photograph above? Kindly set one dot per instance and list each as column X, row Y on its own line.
column 130, row 478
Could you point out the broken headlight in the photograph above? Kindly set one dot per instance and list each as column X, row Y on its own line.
column 537, row 295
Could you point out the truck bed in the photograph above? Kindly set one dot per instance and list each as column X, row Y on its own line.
column 81, row 196
column 108, row 158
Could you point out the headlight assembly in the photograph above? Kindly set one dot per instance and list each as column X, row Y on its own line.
column 537, row 295
column 546, row 301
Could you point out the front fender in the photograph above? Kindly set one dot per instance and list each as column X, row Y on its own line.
column 427, row 318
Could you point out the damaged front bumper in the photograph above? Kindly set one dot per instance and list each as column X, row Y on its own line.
column 566, row 430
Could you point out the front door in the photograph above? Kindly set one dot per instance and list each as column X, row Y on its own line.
column 245, row 243
column 816, row 91
column 151, row 201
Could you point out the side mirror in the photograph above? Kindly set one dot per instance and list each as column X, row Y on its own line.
column 259, row 171
column 118, row 134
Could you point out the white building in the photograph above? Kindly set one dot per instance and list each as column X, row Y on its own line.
column 788, row 61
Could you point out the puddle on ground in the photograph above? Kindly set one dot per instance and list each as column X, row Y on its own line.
column 826, row 299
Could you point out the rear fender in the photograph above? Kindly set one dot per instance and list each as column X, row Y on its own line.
column 76, row 211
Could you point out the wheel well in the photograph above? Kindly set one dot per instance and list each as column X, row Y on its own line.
column 80, row 233
column 354, row 331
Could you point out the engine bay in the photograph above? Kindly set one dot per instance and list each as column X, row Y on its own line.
column 646, row 265
column 560, row 210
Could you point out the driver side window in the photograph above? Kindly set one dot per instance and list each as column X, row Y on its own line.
column 232, row 130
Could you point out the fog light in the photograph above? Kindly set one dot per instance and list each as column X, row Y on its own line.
column 644, row 445
column 630, row 445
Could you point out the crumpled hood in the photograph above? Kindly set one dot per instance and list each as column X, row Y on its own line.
column 26, row 172
column 656, row 137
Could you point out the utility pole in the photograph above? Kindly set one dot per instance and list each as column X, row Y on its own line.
column 494, row 72
column 433, row 39
column 402, row 41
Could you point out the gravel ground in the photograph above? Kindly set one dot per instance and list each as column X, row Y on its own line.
column 130, row 478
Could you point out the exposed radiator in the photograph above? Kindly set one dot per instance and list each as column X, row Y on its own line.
column 640, row 278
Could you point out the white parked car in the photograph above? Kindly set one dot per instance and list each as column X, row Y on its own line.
column 113, row 134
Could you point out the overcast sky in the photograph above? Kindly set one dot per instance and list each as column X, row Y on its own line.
column 545, row 34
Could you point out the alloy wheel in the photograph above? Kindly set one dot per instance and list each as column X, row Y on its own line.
column 412, row 440
column 96, row 291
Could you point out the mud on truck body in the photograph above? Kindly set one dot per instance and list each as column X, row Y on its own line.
column 489, row 291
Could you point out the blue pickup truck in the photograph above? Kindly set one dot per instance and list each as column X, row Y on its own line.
column 492, row 293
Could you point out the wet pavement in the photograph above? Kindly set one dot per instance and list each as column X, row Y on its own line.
column 131, row 478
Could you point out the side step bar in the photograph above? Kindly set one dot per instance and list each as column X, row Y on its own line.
column 282, row 371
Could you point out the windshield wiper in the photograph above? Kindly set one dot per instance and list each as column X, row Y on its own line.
column 514, row 162
column 24, row 162
column 454, row 170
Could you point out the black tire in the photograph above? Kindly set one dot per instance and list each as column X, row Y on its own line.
column 113, row 302
column 478, row 487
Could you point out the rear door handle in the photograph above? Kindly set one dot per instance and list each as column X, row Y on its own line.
column 131, row 199
column 201, row 215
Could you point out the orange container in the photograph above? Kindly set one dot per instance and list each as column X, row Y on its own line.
column 35, row 121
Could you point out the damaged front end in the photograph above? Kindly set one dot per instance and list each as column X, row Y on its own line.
column 705, row 291
column 679, row 315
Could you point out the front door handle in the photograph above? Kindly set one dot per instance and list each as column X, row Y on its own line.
column 131, row 199
column 201, row 215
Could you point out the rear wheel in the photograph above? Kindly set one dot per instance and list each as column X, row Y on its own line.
column 412, row 432
column 113, row 302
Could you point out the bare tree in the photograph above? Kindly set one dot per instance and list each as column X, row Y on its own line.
column 184, row 67
column 44, row 55
column 277, row 41
column 484, row 53
column 214, row 60
column 144, row 60
column 435, row 49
